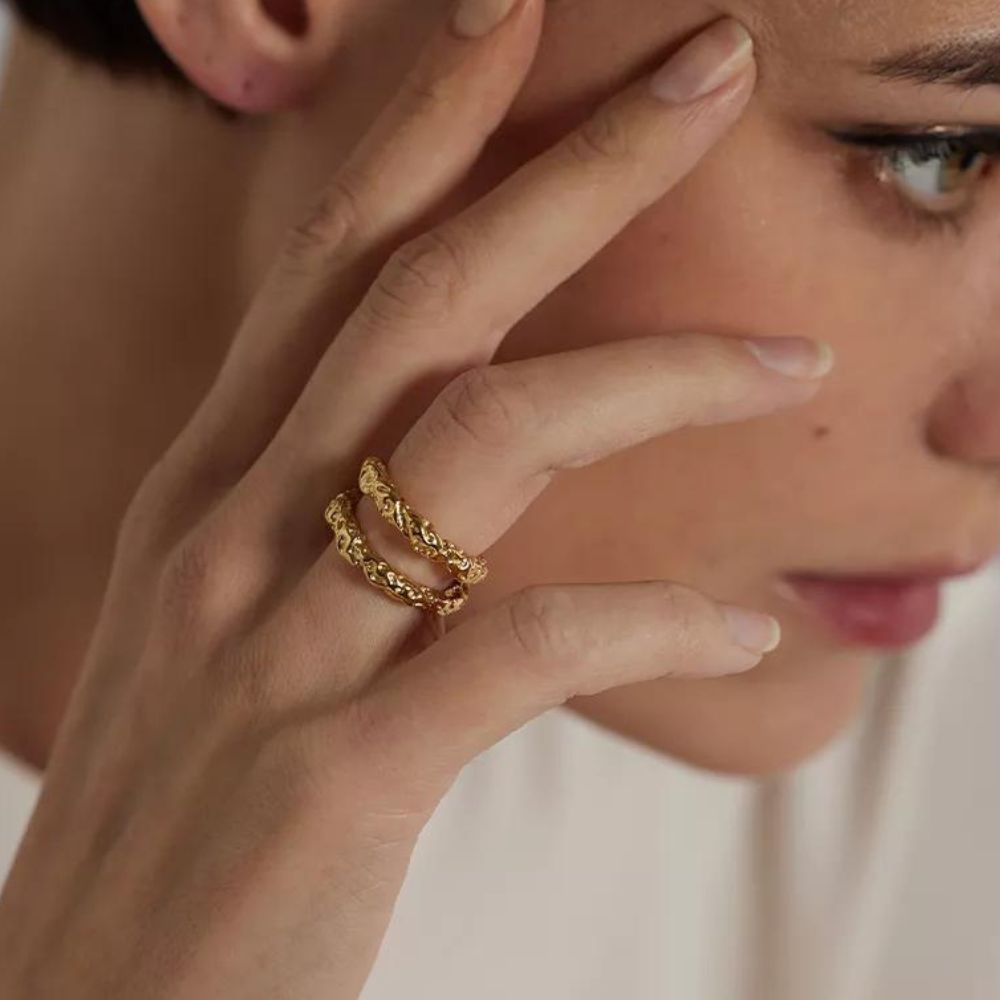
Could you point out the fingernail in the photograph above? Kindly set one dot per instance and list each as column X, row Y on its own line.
column 475, row 18
column 752, row 630
column 705, row 63
column 794, row 356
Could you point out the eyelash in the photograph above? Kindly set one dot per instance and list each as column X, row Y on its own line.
column 880, row 147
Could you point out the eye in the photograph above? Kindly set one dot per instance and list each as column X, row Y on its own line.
column 939, row 175
column 933, row 174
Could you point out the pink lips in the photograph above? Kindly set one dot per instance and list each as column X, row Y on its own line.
column 881, row 610
column 886, row 609
column 871, row 612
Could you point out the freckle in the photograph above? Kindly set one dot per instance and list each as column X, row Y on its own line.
column 820, row 432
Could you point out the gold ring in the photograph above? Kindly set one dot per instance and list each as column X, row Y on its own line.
column 375, row 483
column 354, row 547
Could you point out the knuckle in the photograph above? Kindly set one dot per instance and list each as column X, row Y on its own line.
column 197, row 583
column 695, row 116
column 489, row 404
column 187, row 570
column 602, row 138
column 696, row 351
column 423, row 94
column 173, row 495
column 145, row 515
column 332, row 223
column 543, row 625
column 422, row 279
column 681, row 609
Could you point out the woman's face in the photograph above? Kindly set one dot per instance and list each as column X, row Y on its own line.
column 894, row 257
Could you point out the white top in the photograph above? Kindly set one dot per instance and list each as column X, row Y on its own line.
column 567, row 863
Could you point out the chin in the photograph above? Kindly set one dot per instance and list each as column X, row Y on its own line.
column 764, row 723
column 781, row 751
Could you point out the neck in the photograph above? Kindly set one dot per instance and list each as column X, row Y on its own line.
column 137, row 223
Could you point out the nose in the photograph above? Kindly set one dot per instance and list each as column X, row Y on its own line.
column 964, row 422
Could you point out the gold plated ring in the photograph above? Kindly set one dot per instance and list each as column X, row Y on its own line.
column 354, row 547
column 424, row 539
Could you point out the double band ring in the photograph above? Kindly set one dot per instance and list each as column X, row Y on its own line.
column 353, row 545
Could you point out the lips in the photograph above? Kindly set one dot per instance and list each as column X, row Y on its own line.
column 881, row 610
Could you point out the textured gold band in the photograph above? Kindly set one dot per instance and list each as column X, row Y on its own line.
column 419, row 532
column 354, row 547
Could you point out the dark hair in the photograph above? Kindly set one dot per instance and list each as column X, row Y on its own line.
column 110, row 32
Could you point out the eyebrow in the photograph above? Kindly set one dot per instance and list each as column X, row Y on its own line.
column 968, row 63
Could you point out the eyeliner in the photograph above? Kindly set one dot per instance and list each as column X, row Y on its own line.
column 986, row 140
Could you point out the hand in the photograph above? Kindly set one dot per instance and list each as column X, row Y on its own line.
column 258, row 734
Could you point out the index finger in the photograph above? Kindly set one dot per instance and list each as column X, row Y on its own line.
column 417, row 150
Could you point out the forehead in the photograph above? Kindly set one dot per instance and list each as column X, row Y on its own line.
column 795, row 30
column 803, row 24
column 812, row 55
column 875, row 27
column 821, row 50
column 896, row 14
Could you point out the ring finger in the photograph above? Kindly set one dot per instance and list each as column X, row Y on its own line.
column 493, row 439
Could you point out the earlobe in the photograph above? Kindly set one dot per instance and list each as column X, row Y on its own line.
column 250, row 55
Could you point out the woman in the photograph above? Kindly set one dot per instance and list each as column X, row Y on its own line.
column 540, row 268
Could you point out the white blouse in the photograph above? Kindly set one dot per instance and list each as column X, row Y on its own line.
column 567, row 863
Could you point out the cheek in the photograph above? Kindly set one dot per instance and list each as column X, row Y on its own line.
column 763, row 239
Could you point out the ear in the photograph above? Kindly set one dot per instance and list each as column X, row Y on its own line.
column 250, row 55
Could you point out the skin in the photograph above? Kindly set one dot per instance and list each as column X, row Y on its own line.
column 896, row 460
column 257, row 738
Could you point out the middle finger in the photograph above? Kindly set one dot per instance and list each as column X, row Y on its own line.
column 444, row 301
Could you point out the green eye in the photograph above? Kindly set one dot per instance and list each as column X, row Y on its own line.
column 938, row 175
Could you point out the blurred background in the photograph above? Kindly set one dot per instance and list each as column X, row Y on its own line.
column 17, row 797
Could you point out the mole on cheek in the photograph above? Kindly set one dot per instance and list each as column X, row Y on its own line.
column 820, row 432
